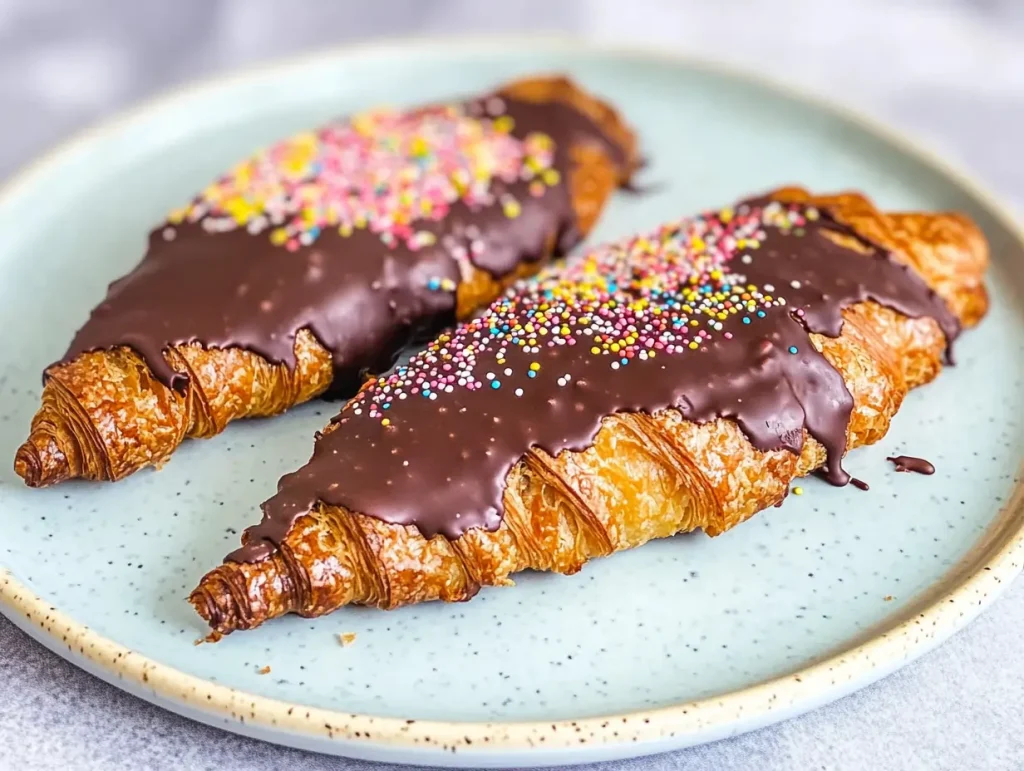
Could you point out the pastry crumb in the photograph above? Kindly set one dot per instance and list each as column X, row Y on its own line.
column 888, row 598
column 346, row 639
column 265, row 671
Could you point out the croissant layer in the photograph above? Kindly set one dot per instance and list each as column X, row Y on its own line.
column 316, row 262
column 643, row 474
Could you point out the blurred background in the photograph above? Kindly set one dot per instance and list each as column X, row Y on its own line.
column 952, row 71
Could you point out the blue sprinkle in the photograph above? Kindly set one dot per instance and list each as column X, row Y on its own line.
column 495, row 384
column 434, row 284
column 385, row 405
column 624, row 361
column 531, row 373
column 314, row 232
column 746, row 319
column 760, row 314
column 792, row 349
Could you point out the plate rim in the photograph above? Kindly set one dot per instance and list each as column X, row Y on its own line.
column 498, row 743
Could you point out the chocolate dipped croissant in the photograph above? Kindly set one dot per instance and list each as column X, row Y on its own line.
column 674, row 381
column 313, row 263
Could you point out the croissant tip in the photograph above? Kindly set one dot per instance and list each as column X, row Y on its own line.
column 215, row 604
column 41, row 462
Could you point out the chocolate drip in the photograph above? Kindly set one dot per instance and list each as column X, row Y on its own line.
column 910, row 463
column 363, row 300
column 440, row 463
column 860, row 484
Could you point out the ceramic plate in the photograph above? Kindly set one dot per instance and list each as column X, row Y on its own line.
column 682, row 641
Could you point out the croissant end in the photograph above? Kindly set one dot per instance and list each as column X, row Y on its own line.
column 232, row 596
column 41, row 461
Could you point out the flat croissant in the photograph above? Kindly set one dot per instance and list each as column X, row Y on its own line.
column 673, row 381
column 316, row 261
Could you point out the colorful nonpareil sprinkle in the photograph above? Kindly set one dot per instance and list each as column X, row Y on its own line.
column 668, row 293
column 381, row 171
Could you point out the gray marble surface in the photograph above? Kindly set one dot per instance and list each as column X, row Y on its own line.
column 950, row 71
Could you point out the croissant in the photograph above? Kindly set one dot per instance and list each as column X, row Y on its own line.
column 315, row 262
column 673, row 381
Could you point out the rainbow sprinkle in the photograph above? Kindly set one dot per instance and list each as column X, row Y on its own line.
column 381, row 171
column 667, row 293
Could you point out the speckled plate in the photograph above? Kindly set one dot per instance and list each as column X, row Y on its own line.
column 682, row 641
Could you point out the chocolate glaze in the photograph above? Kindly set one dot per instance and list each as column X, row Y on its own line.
column 440, row 465
column 910, row 463
column 361, row 299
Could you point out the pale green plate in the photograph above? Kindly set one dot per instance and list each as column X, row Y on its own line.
column 682, row 641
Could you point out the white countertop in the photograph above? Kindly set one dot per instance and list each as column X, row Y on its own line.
column 950, row 71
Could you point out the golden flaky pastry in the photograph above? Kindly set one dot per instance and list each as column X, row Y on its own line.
column 315, row 262
column 644, row 475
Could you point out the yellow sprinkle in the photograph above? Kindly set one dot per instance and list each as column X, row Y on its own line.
column 363, row 124
column 798, row 491
column 279, row 235
column 512, row 209
column 419, row 146
column 504, row 124
column 565, row 331
column 595, row 349
column 534, row 366
column 176, row 217
column 693, row 346
column 551, row 177
column 239, row 208
column 386, row 422
column 615, row 347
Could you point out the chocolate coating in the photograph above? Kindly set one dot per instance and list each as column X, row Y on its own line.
column 910, row 463
column 439, row 463
column 362, row 299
